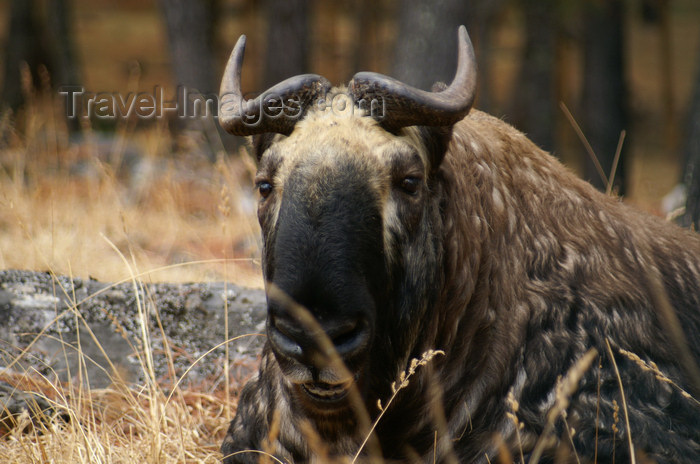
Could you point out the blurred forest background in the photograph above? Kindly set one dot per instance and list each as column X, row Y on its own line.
column 623, row 74
column 172, row 199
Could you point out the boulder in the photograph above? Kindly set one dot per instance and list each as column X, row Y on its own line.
column 98, row 332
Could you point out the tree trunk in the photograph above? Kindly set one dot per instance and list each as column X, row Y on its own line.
column 23, row 46
column 190, row 36
column 604, row 114
column 287, row 40
column 535, row 95
column 37, row 39
column 481, row 22
column 367, row 20
column 691, row 156
column 64, row 69
column 190, row 39
column 426, row 48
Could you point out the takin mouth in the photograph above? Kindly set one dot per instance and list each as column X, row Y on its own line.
column 326, row 393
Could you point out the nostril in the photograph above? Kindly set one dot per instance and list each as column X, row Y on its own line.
column 282, row 326
column 283, row 339
column 350, row 339
column 346, row 337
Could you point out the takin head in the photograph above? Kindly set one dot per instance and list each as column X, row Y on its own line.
column 347, row 213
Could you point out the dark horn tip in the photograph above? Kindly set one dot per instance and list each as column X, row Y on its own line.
column 407, row 106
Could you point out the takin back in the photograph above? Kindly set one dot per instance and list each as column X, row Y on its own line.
column 441, row 290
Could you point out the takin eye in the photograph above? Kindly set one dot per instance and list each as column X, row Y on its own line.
column 411, row 184
column 265, row 188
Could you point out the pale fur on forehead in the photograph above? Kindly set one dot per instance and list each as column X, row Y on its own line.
column 334, row 122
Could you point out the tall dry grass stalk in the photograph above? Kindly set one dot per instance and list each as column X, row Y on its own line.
column 566, row 387
column 396, row 386
column 633, row 458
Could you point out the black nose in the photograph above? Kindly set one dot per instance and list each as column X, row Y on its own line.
column 291, row 338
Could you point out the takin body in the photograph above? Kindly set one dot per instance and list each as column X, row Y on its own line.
column 567, row 323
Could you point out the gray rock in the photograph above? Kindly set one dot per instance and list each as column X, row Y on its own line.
column 14, row 403
column 56, row 324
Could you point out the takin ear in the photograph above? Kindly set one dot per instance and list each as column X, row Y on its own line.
column 436, row 138
column 260, row 143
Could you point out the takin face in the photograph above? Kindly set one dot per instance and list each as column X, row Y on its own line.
column 344, row 207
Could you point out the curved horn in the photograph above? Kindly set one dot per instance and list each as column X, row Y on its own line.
column 407, row 106
column 275, row 110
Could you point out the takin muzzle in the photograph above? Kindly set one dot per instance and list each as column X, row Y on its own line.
column 327, row 256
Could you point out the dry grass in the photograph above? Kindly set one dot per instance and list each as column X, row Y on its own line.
column 63, row 203
column 82, row 209
column 120, row 425
column 150, row 422
column 147, row 422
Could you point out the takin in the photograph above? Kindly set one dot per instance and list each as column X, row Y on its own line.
column 441, row 290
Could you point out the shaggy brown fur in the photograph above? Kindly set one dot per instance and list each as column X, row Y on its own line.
column 514, row 268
